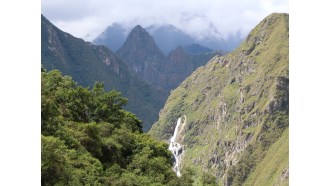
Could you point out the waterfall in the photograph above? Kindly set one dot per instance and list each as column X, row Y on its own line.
column 176, row 149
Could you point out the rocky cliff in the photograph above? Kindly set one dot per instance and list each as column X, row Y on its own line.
column 142, row 55
column 236, row 109
column 87, row 63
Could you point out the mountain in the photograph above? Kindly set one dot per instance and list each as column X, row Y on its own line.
column 87, row 63
column 168, row 37
column 179, row 65
column 196, row 49
column 142, row 55
column 234, row 112
column 113, row 37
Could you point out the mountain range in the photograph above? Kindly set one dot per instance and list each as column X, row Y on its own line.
column 231, row 116
column 139, row 69
column 142, row 56
column 167, row 37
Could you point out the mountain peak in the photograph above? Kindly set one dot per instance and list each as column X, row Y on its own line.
column 138, row 28
column 142, row 55
column 139, row 31
column 140, row 39
column 87, row 63
column 113, row 37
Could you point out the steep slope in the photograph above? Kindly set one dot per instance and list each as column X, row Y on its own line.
column 87, row 63
column 236, row 109
column 142, row 55
column 113, row 37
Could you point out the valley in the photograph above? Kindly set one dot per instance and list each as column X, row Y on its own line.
column 154, row 107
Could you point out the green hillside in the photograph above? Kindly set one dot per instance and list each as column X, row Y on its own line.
column 237, row 110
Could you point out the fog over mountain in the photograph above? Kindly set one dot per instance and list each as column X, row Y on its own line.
column 208, row 18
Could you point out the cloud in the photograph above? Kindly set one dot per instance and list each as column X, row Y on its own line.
column 216, row 18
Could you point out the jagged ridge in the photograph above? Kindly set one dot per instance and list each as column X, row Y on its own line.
column 143, row 57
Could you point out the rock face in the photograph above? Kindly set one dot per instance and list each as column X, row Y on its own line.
column 237, row 110
column 87, row 63
column 144, row 58
column 142, row 55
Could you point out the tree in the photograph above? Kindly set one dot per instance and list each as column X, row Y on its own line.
column 89, row 139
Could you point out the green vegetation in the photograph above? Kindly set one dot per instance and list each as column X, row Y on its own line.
column 274, row 164
column 87, row 63
column 89, row 139
column 237, row 109
column 255, row 153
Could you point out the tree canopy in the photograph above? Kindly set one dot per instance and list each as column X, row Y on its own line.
column 89, row 139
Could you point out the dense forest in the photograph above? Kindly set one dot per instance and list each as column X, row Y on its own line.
column 89, row 139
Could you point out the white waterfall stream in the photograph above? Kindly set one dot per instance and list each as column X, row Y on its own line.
column 176, row 149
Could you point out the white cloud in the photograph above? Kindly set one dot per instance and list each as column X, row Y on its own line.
column 90, row 17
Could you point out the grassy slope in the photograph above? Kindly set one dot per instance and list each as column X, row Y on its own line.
column 210, row 98
column 275, row 161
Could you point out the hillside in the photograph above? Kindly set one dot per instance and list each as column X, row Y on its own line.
column 87, row 63
column 236, row 112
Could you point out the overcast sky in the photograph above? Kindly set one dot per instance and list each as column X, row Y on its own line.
column 220, row 18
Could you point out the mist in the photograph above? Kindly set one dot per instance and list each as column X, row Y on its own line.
column 202, row 19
